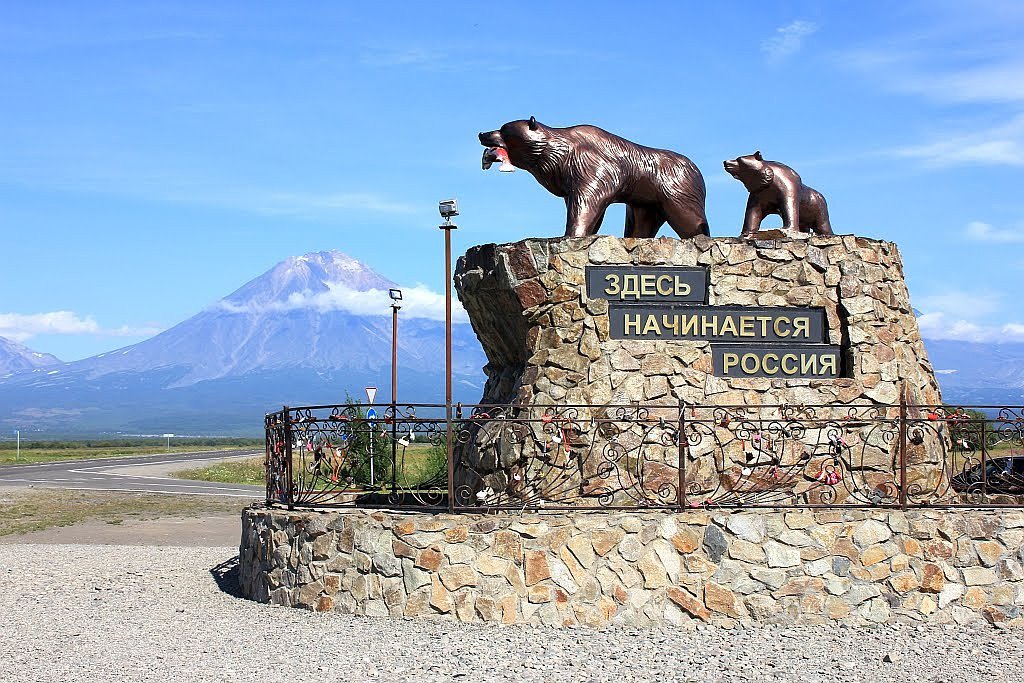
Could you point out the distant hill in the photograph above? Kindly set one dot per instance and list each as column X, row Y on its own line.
column 15, row 357
column 287, row 336
column 978, row 373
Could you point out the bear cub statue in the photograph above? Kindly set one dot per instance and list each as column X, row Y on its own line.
column 777, row 189
column 591, row 168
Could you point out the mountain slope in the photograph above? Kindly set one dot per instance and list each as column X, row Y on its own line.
column 310, row 330
column 15, row 357
column 980, row 373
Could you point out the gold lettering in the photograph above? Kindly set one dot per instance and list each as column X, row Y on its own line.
column 647, row 284
column 829, row 363
column 710, row 321
column 652, row 326
column 667, row 289
column 613, row 288
column 770, row 357
column 778, row 329
column 728, row 326
column 631, row 287
column 729, row 359
column 802, row 324
column 764, row 320
column 634, row 324
column 682, row 288
column 809, row 363
column 671, row 322
column 746, row 326
column 690, row 323
column 756, row 363
column 786, row 367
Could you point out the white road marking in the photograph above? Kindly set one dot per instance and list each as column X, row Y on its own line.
column 176, row 493
column 98, row 470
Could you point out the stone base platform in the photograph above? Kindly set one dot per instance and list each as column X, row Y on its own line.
column 642, row 569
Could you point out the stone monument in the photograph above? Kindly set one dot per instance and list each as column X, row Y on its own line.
column 780, row 370
column 786, row 319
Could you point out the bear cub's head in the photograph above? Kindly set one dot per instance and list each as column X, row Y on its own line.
column 751, row 170
column 526, row 142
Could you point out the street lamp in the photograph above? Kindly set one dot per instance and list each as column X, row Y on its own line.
column 396, row 296
column 449, row 209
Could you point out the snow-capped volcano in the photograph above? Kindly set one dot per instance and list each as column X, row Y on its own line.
column 309, row 330
column 301, row 278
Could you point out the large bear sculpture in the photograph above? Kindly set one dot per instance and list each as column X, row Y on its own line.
column 591, row 169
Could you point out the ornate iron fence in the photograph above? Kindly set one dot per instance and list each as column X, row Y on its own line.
column 645, row 456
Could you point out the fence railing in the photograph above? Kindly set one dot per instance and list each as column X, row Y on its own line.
column 677, row 457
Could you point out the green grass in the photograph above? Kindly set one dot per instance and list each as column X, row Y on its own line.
column 50, row 451
column 24, row 511
column 419, row 462
column 249, row 471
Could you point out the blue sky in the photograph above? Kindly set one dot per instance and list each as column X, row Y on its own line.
column 156, row 156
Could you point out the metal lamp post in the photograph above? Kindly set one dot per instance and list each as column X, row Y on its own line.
column 396, row 296
column 448, row 209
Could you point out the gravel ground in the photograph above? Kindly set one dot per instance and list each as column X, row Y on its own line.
column 119, row 613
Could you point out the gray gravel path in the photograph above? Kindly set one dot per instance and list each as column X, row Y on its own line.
column 118, row 613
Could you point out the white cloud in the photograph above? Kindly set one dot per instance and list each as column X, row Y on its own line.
column 983, row 232
column 401, row 57
column 19, row 326
column 417, row 302
column 995, row 77
column 787, row 40
column 1001, row 145
column 964, row 58
column 958, row 314
column 938, row 325
column 300, row 203
column 959, row 304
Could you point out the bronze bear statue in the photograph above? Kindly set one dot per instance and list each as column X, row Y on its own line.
column 591, row 169
column 777, row 189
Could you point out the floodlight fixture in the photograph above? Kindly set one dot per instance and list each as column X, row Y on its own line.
column 395, row 294
column 449, row 208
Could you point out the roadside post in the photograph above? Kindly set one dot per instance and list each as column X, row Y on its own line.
column 371, row 416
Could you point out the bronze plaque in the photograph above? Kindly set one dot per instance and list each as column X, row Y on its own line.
column 717, row 323
column 650, row 284
column 779, row 361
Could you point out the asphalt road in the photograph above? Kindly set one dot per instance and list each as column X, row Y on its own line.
column 137, row 474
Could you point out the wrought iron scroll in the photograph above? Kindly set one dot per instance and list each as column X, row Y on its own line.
column 555, row 457
column 645, row 456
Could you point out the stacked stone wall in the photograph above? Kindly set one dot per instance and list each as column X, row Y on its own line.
column 630, row 569
column 548, row 343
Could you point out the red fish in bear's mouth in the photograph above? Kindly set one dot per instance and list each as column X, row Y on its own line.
column 492, row 154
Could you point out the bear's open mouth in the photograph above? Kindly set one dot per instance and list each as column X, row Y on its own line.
column 500, row 154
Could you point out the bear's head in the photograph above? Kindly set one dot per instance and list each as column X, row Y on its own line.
column 751, row 170
column 529, row 144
